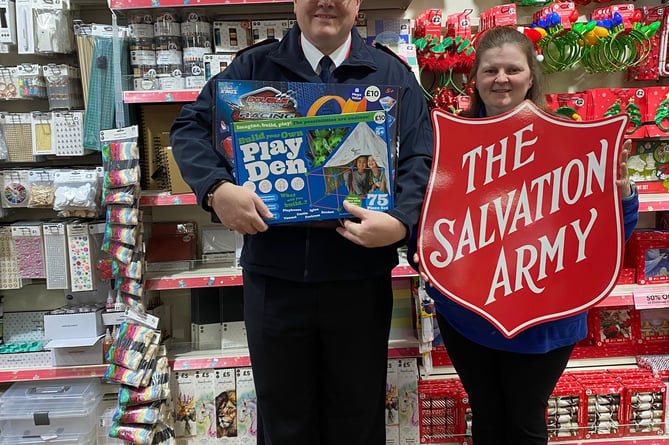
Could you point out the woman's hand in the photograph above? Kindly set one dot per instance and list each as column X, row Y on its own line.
column 623, row 181
column 422, row 274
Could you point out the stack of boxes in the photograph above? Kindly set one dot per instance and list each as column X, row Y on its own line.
column 217, row 318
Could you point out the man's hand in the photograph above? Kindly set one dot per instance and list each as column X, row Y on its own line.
column 375, row 229
column 240, row 209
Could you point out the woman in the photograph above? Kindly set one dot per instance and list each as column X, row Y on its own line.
column 377, row 175
column 509, row 381
column 359, row 177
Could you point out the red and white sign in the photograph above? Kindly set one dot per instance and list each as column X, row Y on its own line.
column 522, row 221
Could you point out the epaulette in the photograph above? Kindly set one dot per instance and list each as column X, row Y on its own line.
column 256, row 45
column 385, row 49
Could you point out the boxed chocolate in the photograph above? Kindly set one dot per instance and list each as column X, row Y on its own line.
column 304, row 168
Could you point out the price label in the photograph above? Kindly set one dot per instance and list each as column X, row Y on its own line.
column 651, row 298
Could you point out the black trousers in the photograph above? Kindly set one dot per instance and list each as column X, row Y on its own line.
column 319, row 356
column 508, row 392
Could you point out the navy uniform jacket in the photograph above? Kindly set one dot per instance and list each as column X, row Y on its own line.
column 303, row 253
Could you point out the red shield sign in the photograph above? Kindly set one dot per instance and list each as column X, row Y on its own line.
column 522, row 221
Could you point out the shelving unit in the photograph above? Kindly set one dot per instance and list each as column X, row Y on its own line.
column 202, row 359
column 207, row 276
column 159, row 96
column 220, row 276
column 120, row 5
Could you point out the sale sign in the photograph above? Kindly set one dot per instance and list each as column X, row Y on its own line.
column 522, row 221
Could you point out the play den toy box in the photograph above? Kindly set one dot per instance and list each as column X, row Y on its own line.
column 305, row 167
column 244, row 100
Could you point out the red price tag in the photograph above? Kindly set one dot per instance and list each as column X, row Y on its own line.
column 651, row 298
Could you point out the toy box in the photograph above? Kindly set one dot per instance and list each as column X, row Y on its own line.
column 442, row 411
column 648, row 166
column 613, row 325
column 649, row 253
column 607, row 102
column 605, row 397
column 304, row 168
column 644, row 402
column 255, row 100
column 566, row 413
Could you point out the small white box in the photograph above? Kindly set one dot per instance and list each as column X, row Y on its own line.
column 77, row 325
column 8, row 33
column 76, row 351
column 111, row 318
column 233, row 335
column 231, row 36
column 270, row 29
column 25, row 30
column 37, row 359
column 205, row 336
column 216, row 63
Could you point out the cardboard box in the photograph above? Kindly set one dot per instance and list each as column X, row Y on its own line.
column 205, row 336
column 8, row 22
column 270, row 29
column 258, row 100
column 172, row 246
column 233, row 335
column 648, row 165
column 216, row 63
column 231, row 36
column 175, row 183
column 37, row 359
column 155, row 123
column 304, row 168
column 76, row 351
column 74, row 325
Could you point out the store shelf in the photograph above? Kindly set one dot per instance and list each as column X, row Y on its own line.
column 218, row 276
column 653, row 202
column 165, row 199
column 140, row 4
column 23, row 374
column 654, row 440
column 198, row 277
column 136, row 4
column 404, row 271
column 210, row 359
column 622, row 295
column 647, row 202
column 159, row 96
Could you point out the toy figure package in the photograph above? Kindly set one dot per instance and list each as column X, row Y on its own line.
column 244, row 100
column 304, row 168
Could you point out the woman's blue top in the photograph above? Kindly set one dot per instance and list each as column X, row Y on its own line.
column 536, row 339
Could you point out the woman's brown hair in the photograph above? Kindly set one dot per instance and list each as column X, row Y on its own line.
column 496, row 38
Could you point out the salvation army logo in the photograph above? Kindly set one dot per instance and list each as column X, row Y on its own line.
column 522, row 222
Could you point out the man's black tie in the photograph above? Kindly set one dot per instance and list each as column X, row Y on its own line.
column 325, row 64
